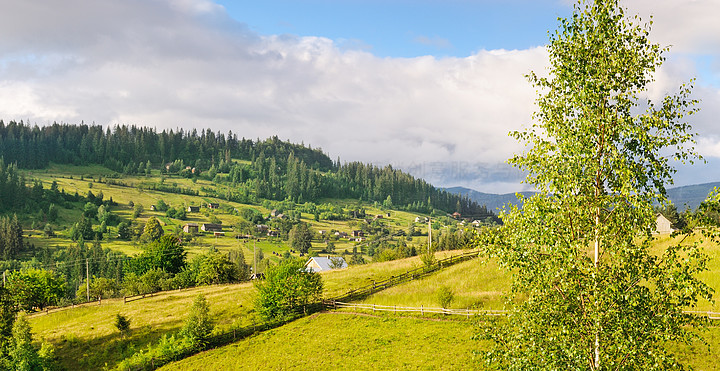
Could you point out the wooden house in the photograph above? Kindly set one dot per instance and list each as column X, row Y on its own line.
column 663, row 225
column 190, row 228
column 211, row 227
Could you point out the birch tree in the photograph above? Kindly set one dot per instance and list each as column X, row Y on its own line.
column 589, row 291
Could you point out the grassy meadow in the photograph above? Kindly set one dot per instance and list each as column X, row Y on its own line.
column 338, row 341
column 85, row 337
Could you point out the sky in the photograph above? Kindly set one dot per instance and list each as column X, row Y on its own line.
column 431, row 87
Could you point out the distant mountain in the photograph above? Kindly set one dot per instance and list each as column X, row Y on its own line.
column 690, row 196
column 687, row 196
column 492, row 201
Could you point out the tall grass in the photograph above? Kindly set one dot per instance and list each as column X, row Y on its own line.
column 85, row 337
column 340, row 341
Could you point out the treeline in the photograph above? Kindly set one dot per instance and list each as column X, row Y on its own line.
column 34, row 147
column 278, row 170
column 293, row 180
column 58, row 276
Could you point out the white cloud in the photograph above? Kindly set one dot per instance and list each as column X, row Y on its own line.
column 187, row 64
column 168, row 64
column 689, row 26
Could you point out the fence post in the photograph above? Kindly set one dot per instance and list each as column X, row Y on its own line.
column 422, row 311
column 124, row 298
column 373, row 308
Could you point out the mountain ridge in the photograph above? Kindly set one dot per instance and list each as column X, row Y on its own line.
column 682, row 197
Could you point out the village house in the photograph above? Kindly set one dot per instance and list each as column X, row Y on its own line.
column 190, row 228
column 213, row 205
column 262, row 227
column 211, row 227
column 663, row 225
column 153, row 207
column 319, row 264
column 456, row 215
column 341, row 234
column 358, row 234
column 193, row 209
column 273, row 233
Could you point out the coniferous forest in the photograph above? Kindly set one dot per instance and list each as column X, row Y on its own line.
column 272, row 169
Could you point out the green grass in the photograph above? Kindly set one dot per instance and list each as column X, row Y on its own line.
column 345, row 342
column 335, row 341
column 85, row 337
column 476, row 284
column 338, row 282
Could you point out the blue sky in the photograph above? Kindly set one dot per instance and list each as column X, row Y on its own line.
column 432, row 87
column 407, row 28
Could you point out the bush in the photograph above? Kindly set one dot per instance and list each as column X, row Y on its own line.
column 122, row 324
column 445, row 296
column 198, row 325
column 287, row 288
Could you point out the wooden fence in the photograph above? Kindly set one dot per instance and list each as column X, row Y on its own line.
column 421, row 309
column 332, row 304
column 414, row 274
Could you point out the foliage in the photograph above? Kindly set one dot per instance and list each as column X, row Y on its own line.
column 122, row 323
column 82, row 230
column 167, row 349
column 198, row 324
column 124, row 231
column 252, row 215
column 286, row 288
column 100, row 287
column 445, row 296
column 165, row 254
column 8, row 311
column 428, row 257
column 587, row 292
column 32, row 289
column 216, row 268
column 11, row 238
column 301, row 237
column 161, row 205
column 153, row 230
column 22, row 355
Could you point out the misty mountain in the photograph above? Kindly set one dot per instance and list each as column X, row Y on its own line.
column 682, row 197
column 492, row 201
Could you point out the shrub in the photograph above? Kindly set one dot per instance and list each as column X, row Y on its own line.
column 198, row 324
column 445, row 296
column 287, row 288
column 122, row 323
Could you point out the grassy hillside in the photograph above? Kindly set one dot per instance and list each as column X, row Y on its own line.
column 476, row 284
column 85, row 336
column 94, row 178
column 338, row 341
column 334, row 341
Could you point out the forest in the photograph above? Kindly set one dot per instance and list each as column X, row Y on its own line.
column 268, row 169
